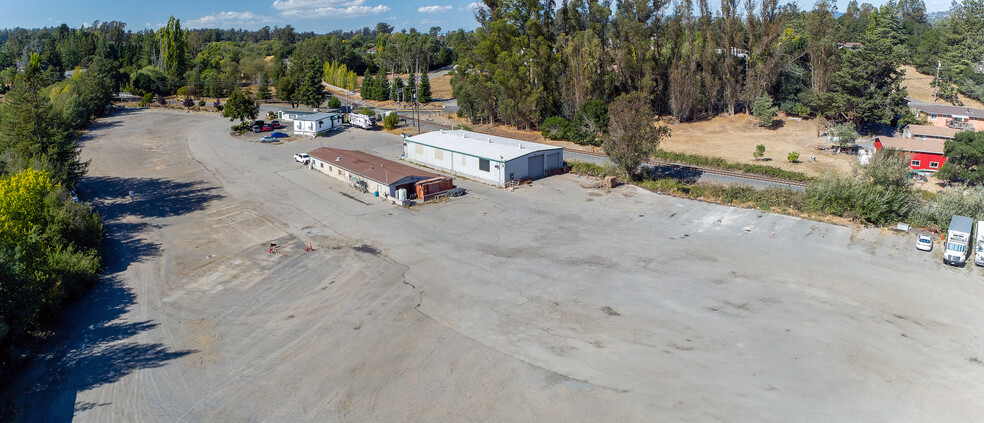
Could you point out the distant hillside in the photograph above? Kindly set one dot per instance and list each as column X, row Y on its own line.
column 935, row 17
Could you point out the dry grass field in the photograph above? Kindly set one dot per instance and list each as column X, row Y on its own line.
column 918, row 85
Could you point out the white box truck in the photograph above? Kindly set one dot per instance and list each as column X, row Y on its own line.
column 979, row 244
column 362, row 121
column 958, row 238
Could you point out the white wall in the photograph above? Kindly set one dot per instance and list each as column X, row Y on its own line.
column 451, row 162
column 343, row 175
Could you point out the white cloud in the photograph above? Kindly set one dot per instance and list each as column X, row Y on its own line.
column 434, row 9
column 300, row 9
column 229, row 19
column 471, row 6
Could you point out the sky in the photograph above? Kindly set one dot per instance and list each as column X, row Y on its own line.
column 319, row 16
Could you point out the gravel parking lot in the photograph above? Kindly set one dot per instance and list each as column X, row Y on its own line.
column 560, row 301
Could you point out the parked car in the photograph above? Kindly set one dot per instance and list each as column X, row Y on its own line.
column 268, row 139
column 267, row 128
column 257, row 128
column 924, row 243
column 302, row 158
column 279, row 135
column 275, row 124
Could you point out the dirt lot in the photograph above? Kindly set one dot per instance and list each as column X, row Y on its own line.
column 918, row 85
column 560, row 301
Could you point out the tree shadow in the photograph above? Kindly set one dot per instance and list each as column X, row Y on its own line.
column 94, row 347
column 153, row 197
column 684, row 174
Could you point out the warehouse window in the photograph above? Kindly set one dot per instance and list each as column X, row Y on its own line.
column 419, row 149
column 934, row 165
column 438, row 154
column 914, row 163
column 322, row 165
column 483, row 165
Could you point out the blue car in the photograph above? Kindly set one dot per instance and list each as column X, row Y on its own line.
column 279, row 135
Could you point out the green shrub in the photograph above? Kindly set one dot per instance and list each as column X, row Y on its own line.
column 793, row 157
column 147, row 98
column 201, row 103
column 588, row 169
column 334, row 103
column 364, row 110
column 390, row 121
column 461, row 126
column 555, row 128
column 759, row 151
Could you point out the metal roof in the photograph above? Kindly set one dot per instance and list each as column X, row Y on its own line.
column 931, row 130
column 484, row 146
column 316, row 116
column 943, row 109
column 369, row 166
column 912, row 144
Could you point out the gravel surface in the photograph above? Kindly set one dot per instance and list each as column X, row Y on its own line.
column 559, row 301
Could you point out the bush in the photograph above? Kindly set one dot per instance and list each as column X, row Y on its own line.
column 590, row 169
column 147, row 98
column 334, row 103
column 555, row 128
column 364, row 111
column 801, row 110
column 764, row 111
column 161, row 100
column 188, row 102
column 793, row 157
column 937, row 212
column 201, row 103
column 390, row 121
column 859, row 198
column 759, row 151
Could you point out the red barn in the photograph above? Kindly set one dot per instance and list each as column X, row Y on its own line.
column 926, row 154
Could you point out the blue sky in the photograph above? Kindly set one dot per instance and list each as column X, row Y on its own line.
column 320, row 16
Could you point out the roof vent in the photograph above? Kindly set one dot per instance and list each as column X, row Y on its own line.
column 464, row 135
column 489, row 141
column 338, row 159
column 521, row 147
column 371, row 168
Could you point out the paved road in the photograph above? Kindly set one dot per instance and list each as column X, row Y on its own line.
column 560, row 301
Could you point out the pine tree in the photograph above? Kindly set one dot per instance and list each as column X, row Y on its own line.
column 33, row 132
column 368, row 89
column 263, row 91
column 424, row 90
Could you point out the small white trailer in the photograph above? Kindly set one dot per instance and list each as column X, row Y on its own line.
column 979, row 244
column 362, row 121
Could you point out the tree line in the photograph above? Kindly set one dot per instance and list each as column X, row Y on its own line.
column 533, row 65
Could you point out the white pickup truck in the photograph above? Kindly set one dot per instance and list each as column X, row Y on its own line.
column 302, row 158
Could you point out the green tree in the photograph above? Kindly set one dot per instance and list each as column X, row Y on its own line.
column 793, row 157
column 632, row 137
column 287, row 87
column 964, row 157
column 263, row 91
column 174, row 49
column 240, row 106
column 33, row 132
column 846, row 135
column 333, row 102
column 764, row 111
column 867, row 87
column 759, row 151
column 310, row 92
column 424, row 89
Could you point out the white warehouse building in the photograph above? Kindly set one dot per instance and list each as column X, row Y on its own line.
column 486, row 158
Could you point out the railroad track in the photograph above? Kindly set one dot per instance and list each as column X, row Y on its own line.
column 703, row 169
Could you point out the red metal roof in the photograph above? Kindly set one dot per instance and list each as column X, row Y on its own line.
column 369, row 166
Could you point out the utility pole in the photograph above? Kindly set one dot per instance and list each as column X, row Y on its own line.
column 936, row 82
